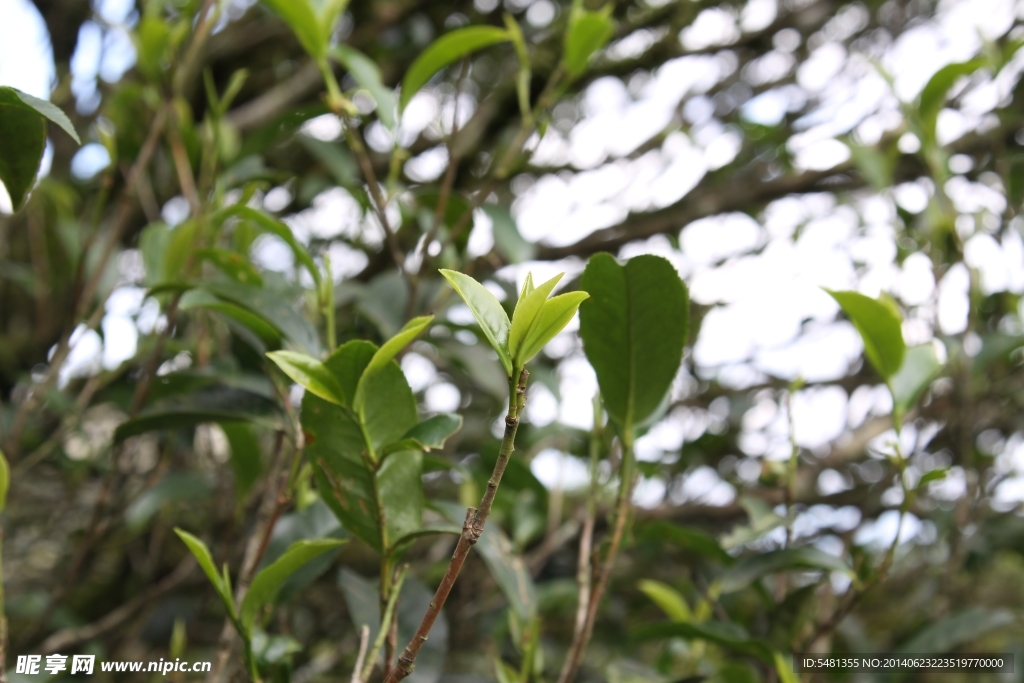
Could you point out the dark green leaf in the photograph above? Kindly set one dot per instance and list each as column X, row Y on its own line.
column 729, row 635
column 958, row 629
column 429, row 530
column 427, row 435
column 245, row 455
column 919, row 367
column 879, row 326
column 176, row 418
column 311, row 374
column 487, row 310
column 633, row 327
column 509, row 571
column 400, row 484
column 588, row 32
column 367, row 74
column 205, row 560
column 175, row 487
column 276, row 227
column 334, row 157
column 43, row 108
column 198, row 298
column 444, row 51
column 691, row 539
column 265, row 586
column 671, row 601
column 178, row 252
column 273, row 307
column 750, row 569
column 23, row 131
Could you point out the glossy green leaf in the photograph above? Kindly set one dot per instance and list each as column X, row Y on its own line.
column 268, row 582
column 400, row 486
column 23, row 131
column 427, row 435
column 752, row 568
column 933, row 95
column 338, row 450
column 5, row 481
column 311, row 374
column 205, row 560
column 177, row 418
column 445, row 50
column 527, row 315
column 232, row 264
column 919, row 367
column 275, row 308
column 276, row 227
column 304, row 23
column 727, row 634
column 385, row 354
column 633, row 327
column 487, row 310
column 245, row 455
column 880, row 328
column 671, row 601
column 960, row 628
column 367, row 74
column 588, row 32
column 508, row 241
column 554, row 316
column 43, row 108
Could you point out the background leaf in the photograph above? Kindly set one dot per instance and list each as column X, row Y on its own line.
column 367, row 74
column 879, row 327
column 752, row 568
column 303, row 21
column 671, row 601
column 588, row 32
column 919, row 367
column 634, row 326
column 23, row 131
column 245, row 456
column 205, row 560
column 444, row 51
column 5, row 481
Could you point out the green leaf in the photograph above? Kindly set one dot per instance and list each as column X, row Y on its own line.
column 509, row 571
column 400, row 486
column 671, row 601
column 275, row 308
column 23, row 131
column 752, row 568
column 245, row 455
column 334, row 157
column 960, row 628
column 367, row 74
column 919, row 367
column 444, row 51
column 200, row 298
column 878, row 323
column 633, row 327
column 933, row 95
column 177, row 418
column 311, row 374
column 509, row 242
column 487, row 310
column 555, row 314
column 874, row 164
column 932, row 476
column 272, row 225
column 691, row 539
column 784, row 667
column 175, row 487
column 385, row 354
column 43, row 108
column 205, row 560
column 427, row 435
column 232, row 264
column 265, row 586
column 505, row 673
column 527, row 315
column 304, row 23
column 588, row 32
column 5, row 481
column 429, row 530
column 726, row 634
column 337, row 446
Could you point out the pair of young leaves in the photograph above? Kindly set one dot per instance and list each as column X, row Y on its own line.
column 535, row 321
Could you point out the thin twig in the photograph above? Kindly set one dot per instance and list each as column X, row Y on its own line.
column 389, row 619
column 472, row 529
column 364, row 643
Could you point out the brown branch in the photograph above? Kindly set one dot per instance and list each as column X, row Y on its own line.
column 472, row 528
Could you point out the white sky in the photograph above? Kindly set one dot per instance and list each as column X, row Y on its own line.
column 764, row 277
